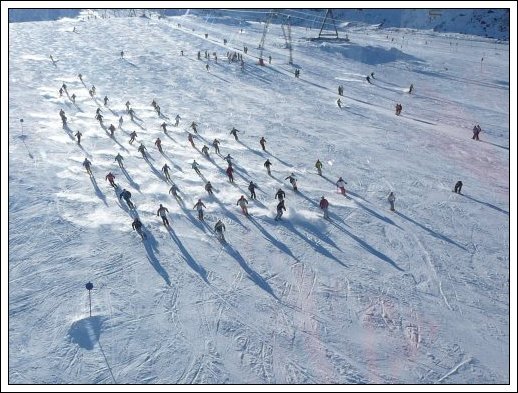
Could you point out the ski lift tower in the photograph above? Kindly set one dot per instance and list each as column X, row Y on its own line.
column 287, row 37
column 329, row 14
column 263, row 38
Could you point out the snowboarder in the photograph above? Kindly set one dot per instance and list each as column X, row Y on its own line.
column 476, row 131
column 216, row 143
column 205, row 150
column 319, row 166
column 137, row 226
column 78, row 136
column 121, row 120
column 164, row 126
column 267, row 164
column 199, row 206
column 165, row 169
column 293, row 181
column 230, row 173
column 262, row 141
column 234, row 132
column 177, row 119
column 195, row 166
column 162, row 211
column 391, row 198
column 280, row 208
column 112, row 129
column 208, row 188
column 158, row 144
column 280, row 194
column 193, row 126
column 133, row 135
column 251, row 187
column 341, row 185
column 105, row 100
column 111, row 178
column 339, row 103
column 324, row 204
column 219, row 228
column 190, row 139
column 127, row 195
column 174, row 191
column 87, row 164
column 458, row 187
column 119, row 160
column 242, row 202
column 142, row 149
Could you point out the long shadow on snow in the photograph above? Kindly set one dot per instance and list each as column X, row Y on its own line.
column 252, row 150
column 130, row 180
column 150, row 244
column 494, row 144
column 317, row 247
column 254, row 276
column 228, row 213
column 172, row 162
column 188, row 257
column 433, row 233
column 272, row 240
column 487, row 204
column 319, row 234
column 98, row 192
column 366, row 246
column 377, row 215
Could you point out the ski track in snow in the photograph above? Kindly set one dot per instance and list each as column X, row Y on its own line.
column 369, row 296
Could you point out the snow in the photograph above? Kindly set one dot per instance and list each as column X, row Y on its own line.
column 419, row 296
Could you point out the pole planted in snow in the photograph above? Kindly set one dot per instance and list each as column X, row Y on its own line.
column 90, row 286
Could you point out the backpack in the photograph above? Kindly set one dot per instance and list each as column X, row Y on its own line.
column 128, row 194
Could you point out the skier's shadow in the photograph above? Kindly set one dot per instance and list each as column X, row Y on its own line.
column 118, row 143
column 138, row 124
column 379, row 216
column 188, row 257
column 488, row 205
column 317, row 247
column 311, row 201
column 69, row 132
column 98, row 192
column 228, row 213
column 156, row 172
column 281, row 161
column 170, row 137
column 252, row 274
column 130, row 180
column 172, row 162
column 272, row 240
column 259, row 153
column 150, row 244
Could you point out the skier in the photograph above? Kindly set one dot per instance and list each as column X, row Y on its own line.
column 127, row 195
column 229, row 159
column 157, row 108
column 267, row 164
column 458, row 187
column 269, row 59
column 133, row 135
column 78, row 135
column 242, row 202
column 319, row 166
column 80, row 77
column 372, row 75
column 119, row 160
column 195, row 166
column 165, row 169
column 216, row 143
column 230, row 174
column 153, row 103
column 128, row 106
column 340, row 90
column 251, row 187
column 164, row 126
column 131, row 113
column 339, row 103
column 73, row 98
column 399, row 108
column 199, row 206
column 262, row 141
column 111, row 178
column 234, row 132
column 219, row 228
column 121, row 120
column 280, row 208
column 105, row 100
column 137, row 226
column 122, row 54
column 293, row 181
column 174, row 191
column 100, row 118
column 341, row 185
column 208, row 188
column 61, row 92
column 112, row 129
column 391, row 198
column 193, row 126
column 91, row 93
column 142, row 149
column 207, row 67
column 64, row 87
column 162, row 213
column 411, row 89
column 93, row 89
column 177, row 119
column 368, row 79
column 324, row 204
column 97, row 112
column 158, row 144
column 280, row 194
column 63, row 117
column 190, row 139
column 87, row 164
column 205, row 150
column 297, row 73
column 476, row 131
